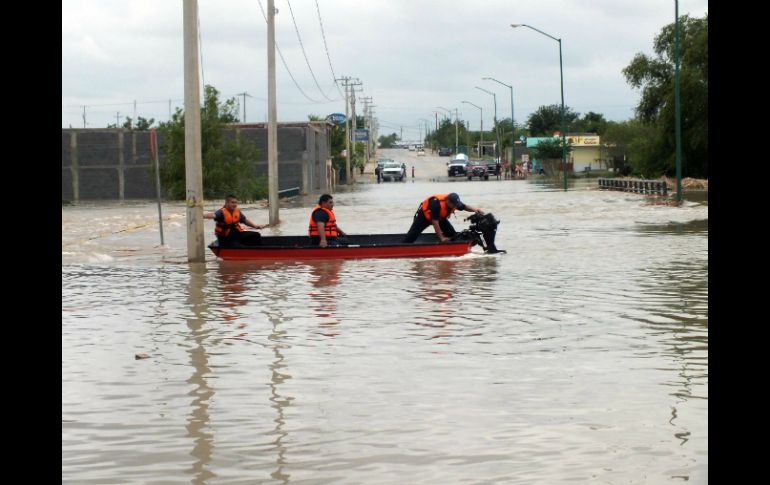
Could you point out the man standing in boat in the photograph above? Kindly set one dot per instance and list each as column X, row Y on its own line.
column 228, row 229
column 435, row 211
column 322, row 228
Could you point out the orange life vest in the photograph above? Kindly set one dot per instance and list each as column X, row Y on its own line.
column 330, row 228
column 445, row 211
column 232, row 220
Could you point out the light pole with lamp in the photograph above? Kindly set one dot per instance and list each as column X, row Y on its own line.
column 677, row 106
column 450, row 117
column 427, row 130
column 513, row 124
column 497, row 133
column 481, row 123
column 561, row 74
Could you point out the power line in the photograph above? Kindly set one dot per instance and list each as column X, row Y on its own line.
column 304, row 54
column 326, row 47
column 284, row 61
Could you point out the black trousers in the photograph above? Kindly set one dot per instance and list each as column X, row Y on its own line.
column 420, row 223
column 238, row 239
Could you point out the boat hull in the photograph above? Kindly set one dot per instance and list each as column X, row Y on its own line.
column 293, row 248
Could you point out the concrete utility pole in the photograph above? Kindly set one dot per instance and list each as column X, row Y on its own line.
column 345, row 80
column 367, row 125
column 244, row 94
column 457, row 146
column 84, row 116
column 353, row 116
column 117, row 120
column 272, row 128
column 192, row 136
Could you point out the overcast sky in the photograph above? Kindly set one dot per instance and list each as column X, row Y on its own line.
column 410, row 55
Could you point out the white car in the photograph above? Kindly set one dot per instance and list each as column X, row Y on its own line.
column 420, row 152
column 393, row 170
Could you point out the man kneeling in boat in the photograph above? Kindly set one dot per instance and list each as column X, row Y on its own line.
column 323, row 229
column 435, row 211
column 228, row 229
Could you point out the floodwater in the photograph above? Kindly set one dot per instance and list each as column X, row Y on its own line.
column 580, row 356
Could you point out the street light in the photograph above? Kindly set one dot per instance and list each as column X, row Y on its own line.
column 450, row 117
column 427, row 131
column 677, row 106
column 561, row 74
column 513, row 124
column 497, row 134
column 481, row 123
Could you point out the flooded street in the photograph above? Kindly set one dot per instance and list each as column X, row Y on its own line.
column 579, row 356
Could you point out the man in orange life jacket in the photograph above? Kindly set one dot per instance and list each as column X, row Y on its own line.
column 228, row 229
column 435, row 211
column 322, row 228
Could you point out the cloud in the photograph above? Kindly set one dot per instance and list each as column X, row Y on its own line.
column 410, row 56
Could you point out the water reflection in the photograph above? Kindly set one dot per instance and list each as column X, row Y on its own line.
column 445, row 286
column 198, row 421
column 675, row 298
column 278, row 375
column 324, row 277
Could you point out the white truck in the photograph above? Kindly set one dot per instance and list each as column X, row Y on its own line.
column 457, row 165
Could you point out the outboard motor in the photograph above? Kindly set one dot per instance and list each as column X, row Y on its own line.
column 482, row 230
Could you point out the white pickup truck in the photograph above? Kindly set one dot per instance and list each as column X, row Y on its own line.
column 457, row 165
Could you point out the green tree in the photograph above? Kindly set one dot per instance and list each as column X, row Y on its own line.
column 547, row 119
column 549, row 148
column 590, row 123
column 655, row 77
column 387, row 141
column 229, row 162
column 445, row 135
column 142, row 124
column 549, row 154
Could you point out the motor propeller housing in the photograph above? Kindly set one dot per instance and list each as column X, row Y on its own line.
column 482, row 231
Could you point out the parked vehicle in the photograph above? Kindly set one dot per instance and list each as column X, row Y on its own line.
column 420, row 152
column 393, row 171
column 478, row 169
column 457, row 165
column 444, row 152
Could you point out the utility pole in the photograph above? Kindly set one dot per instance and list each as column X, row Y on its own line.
column 192, row 136
column 117, row 120
column 134, row 111
column 244, row 94
column 353, row 115
column 368, row 125
column 272, row 128
column 169, row 110
column 345, row 80
column 84, row 116
column 457, row 146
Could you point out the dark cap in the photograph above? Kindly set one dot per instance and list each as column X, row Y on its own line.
column 455, row 200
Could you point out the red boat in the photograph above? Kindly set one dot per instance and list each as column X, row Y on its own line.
column 361, row 246
column 366, row 246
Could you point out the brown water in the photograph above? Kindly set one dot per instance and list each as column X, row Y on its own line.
column 579, row 356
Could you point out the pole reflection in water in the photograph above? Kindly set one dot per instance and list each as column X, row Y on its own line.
column 198, row 421
column 277, row 341
column 325, row 275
